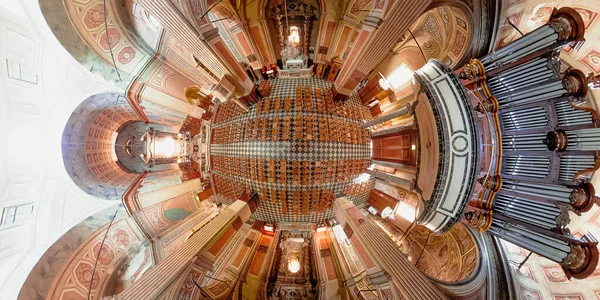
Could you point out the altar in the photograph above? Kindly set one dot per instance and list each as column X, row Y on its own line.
column 295, row 73
column 295, row 64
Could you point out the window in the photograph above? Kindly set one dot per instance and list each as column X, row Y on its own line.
column 21, row 72
column 16, row 214
column 401, row 75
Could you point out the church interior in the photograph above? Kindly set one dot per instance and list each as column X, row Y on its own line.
column 299, row 149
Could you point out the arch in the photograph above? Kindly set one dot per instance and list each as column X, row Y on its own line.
column 482, row 17
column 129, row 147
column 80, row 29
column 447, row 27
column 88, row 144
column 442, row 33
column 70, row 257
column 436, row 260
column 119, row 252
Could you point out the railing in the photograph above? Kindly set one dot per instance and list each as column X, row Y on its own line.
column 300, row 73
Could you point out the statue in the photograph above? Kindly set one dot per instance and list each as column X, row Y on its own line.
column 193, row 95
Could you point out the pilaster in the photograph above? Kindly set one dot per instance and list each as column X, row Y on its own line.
column 411, row 283
column 156, row 280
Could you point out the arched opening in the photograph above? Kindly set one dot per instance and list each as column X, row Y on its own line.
column 88, row 145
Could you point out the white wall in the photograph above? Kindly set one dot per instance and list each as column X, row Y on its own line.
column 32, row 118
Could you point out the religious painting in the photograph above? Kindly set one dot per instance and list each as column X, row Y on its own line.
column 252, row 58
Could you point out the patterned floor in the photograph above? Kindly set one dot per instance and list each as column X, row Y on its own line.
column 324, row 155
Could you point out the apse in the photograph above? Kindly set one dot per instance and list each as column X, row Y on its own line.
column 293, row 27
column 88, row 145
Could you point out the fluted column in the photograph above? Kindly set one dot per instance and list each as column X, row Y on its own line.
column 213, row 39
column 390, row 178
column 181, row 28
column 412, row 284
column 156, row 280
column 372, row 45
column 389, row 116
column 160, row 195
column 160, row 98
column 206, row 46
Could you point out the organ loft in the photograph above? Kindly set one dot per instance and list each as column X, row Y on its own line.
column 300, row 149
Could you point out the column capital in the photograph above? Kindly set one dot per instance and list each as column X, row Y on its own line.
column 349, row 20
column 372, row 23
column 210, row 34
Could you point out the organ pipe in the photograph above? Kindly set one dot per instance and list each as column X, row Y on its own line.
column 546, row 140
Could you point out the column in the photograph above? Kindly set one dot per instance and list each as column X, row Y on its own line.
column 391, row 130
column 392, row 165
column 160, row 98
column 219, row 48
column 160, row 195
column 411, row 283
column 393, row 179
column 206, row 45
column 395, row 114
column 156, row 280
column 373, row 44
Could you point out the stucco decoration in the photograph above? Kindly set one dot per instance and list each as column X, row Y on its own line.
column 79, row 27
column 529, row 15
column 50, row 264
column 115, row 248
column 88, row 145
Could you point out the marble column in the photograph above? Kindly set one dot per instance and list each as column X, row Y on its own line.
column 390, row 130
column 154, row 282
column 154, row 197
column 181, row 28
column 395, row 114
column 390, row 178
column 374, row 43
column 411, row 283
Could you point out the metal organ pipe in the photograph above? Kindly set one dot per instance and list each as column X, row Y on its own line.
column 553, row 249
column 569, row 116
column 538, row 39
column 527, row 199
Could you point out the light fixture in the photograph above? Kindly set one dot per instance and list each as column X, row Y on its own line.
column 383, row 83
column 405, row 211
column 268, row 228
column 164, row 147
column 413, row 147
column 294, row 37
column 294, row 265
column 400, row 76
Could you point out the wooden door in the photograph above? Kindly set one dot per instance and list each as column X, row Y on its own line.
column 380, row 200
column 396, row 147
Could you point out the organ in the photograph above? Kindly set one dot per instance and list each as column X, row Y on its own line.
column 540, row 141
column 508, row 144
